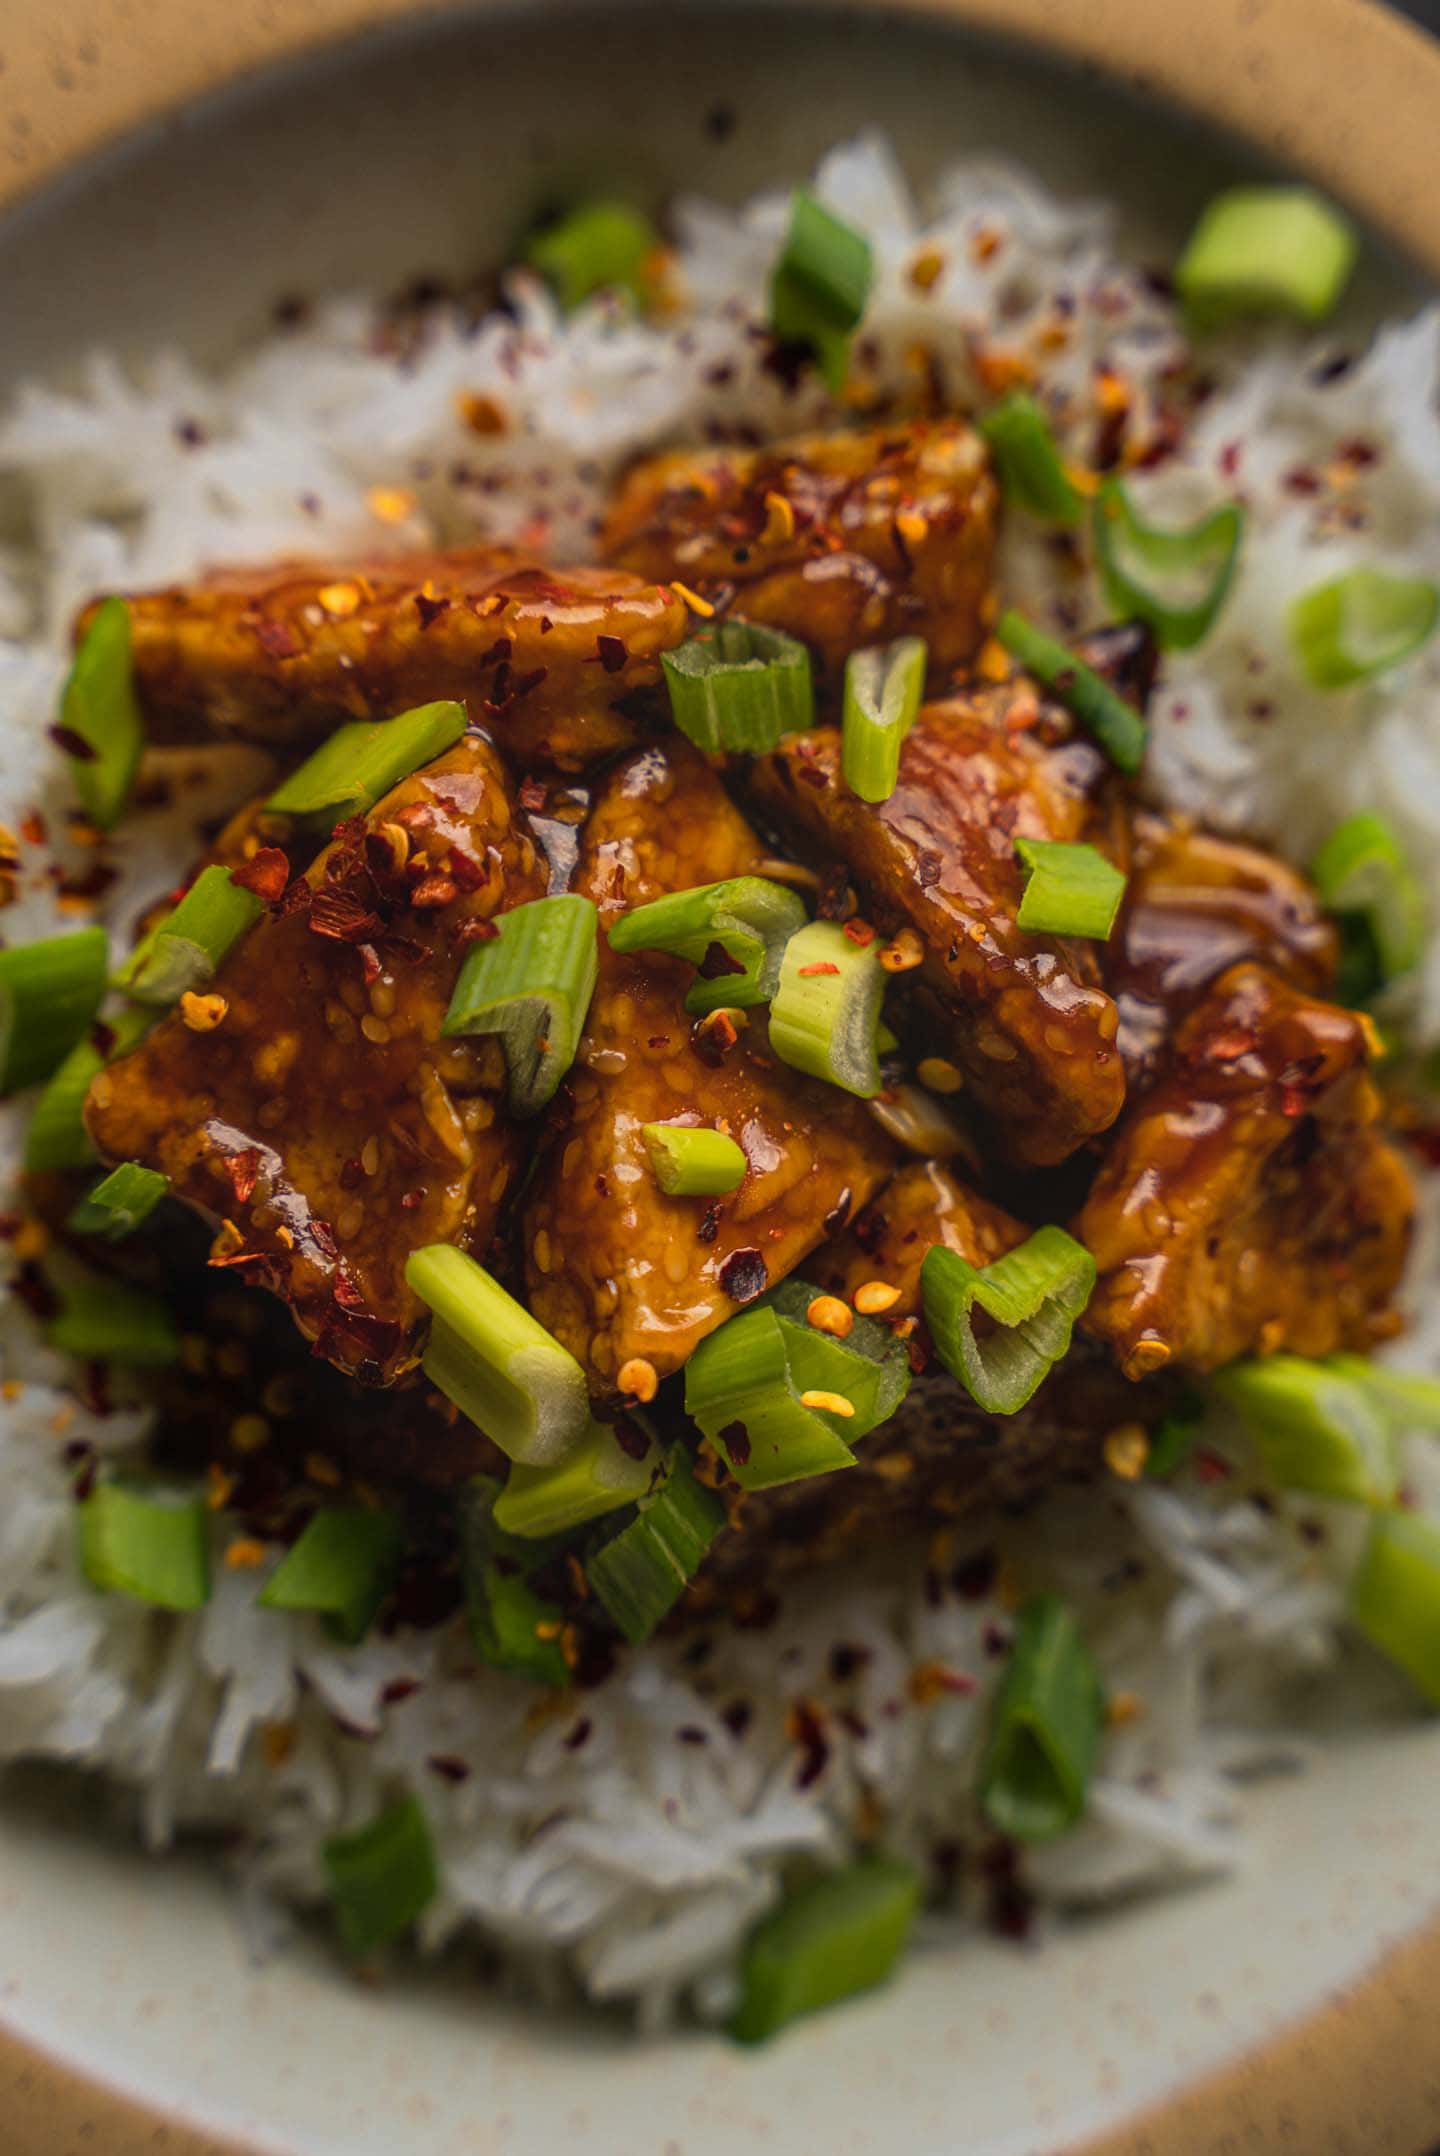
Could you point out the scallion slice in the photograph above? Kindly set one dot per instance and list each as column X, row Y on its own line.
column 49, row 993
column 56, row 1137
column 145, row 1547
column 1362, row 870
column 827, row 1941
column 501, row 1368
column 598, row 1476
column 1045, row 1727
column 343, row 1567
column 119, row 1202
column 99, row 710
column 640, row 1573
column 826, row 1008
column 1173, row 1442
column 1121, row 732
column 383, row 1877
column 531, row 984
column 596, row 247
column 735, row 932
column 747, row 1387
column 1033, row 1295
column 1028, row 460
column 820, row 284
column 1175, row 581
column 1395, row 1595
column 186, row 949
column 1361, row 624
column 1315, row 1428
column 359, row 763
column 693, row 1163
column 739, row 687
column 1070, row 890
column 1410, row 1401
column 106, row 1321
column 1265, row 250
column 511, row 1626
column 884, row 687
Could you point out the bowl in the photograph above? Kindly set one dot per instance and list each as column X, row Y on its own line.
column 178, row 170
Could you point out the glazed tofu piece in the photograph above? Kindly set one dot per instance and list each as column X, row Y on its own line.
column 309, row 1108
column 1196, row 905
column 923, row 1205
column 614, row 1268
column 1248, row 1202
column 841, row 539
column 545, row 659
column 1024, row 1016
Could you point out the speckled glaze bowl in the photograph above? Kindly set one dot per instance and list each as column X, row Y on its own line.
column 168, row 169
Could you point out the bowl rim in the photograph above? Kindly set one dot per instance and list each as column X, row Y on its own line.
column 1343, row 92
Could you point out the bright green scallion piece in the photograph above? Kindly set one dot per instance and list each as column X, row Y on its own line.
column 343, row 1567
column 531, row 984
column 383, row 1877
column 820, row 285
column 827, row 1941
column 1027, row 458
column 1361, row 624
column 498, row 1365
column 1395, row 1595
column 693, row 1163
column 734, row 932
column 640, row 1573
column 183, row 952
column 1364, row 876
column 612, row 1465
column 49, row 993
column 512, row 1625
column 884, row 688
column 738, row 687
column 359, row 763
column 1045, row 1727
column 107, row 1321
column 1174, row 580
column 100, row 720
column 1316, row 1427
column 1033, row 1295
column 825, row 1013
column 596, row 247
column 1120, row 731
column 148, row 1548
column 56, row 1138
column 120, row 1202
column 1265, row 251
column 1070, row 890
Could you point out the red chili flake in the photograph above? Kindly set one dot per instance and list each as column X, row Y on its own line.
column 32, row 828
column 97, row 1390
column 434, row 889
column 96, row 879
column 847, row 1661
column 743, row 1275
column 277, row 639
column 323, row 1237
column 1360, row 453
column 1293, row 1101
column 369, row 962
column 629, row 1436
column 737, row 1716
column 429, row 609
column 713, row 1037
column 821, row 965
column 612, row 652
column 709, row 1226
column 812, row 775
column 546, row 624
column 474, row 930
column 448, row 1768
column 10, row 1226
column 398, row 1688
column 1229, row 1047
column 839, row 1213
column 1301, row 480
column 343, row 916
column 466, row 871
column 86, row 1479
column 806, row 1728
column 102, row 1038
column 415, row 816
column 974, row 1577
column 524, row 683
column 736, row 1440
column 72, row 744
column 1212, row 1466
column 1010, row 1906
column 411, row 1200
column 577, row 1736
column 243, row 1170
column 533, row 793
column 691, row 1733
column 297, row 897
column 717, row 964
column 266, row 874
column 347, row 1291
column 859, row 932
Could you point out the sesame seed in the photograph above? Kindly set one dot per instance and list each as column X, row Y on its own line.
column 692, row 599
column 249, row 1432
column 828, row 1403
column 339, row 599
column 202, row 1014
column 938, row 1074
column 375, row 1029
column 1126, row 1450
column 638, row 1378
column 245, row 1555
column 874, row 1297
column 829, row 1315
column 904, row 954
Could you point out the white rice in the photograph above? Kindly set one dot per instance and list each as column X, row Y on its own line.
column 627, row 1837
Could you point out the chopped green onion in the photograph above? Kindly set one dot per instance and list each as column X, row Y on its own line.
column 140, row 1546
column 1362, row 870
column 735, row 932
column 186, row 949
column 1265, row 250
column 1410, row 1401
column 641, row 1572
column 49, row 992
column 1033, row 1295
column 1316, row 1429
column 1121, row 732
column 343, row 1566
column 1174, row 581
column 382, row 1878
column 1044, row 1728
column 691, row 1163
column 56, row 1138
column 820, row 284
column 884, row 687
column 511, row 1626
column 826, row 1009
column 1070, row 890
column 746, row 1386
column 1361, row 624
column 359, row 763
column 827, row 1941
column 1173, row 1442
column 106, row 1321
column 531, row 984
column 118, row 1204
column 596, row 247
column 1395, row 1595
column 1028, row 460
column 99, row 710
column 739, row 687
column 498, row 1365
column 598, row 1476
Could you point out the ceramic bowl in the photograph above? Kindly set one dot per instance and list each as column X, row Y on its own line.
column 170, row 171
